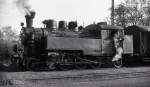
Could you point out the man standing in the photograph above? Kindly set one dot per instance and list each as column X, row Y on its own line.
column 119, row 50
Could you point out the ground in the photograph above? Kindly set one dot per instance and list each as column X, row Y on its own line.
column 103, row 77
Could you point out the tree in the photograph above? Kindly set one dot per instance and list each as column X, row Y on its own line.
column 135, row 16
column 132, row 12
column 7, row 33
column 8, row 37
column 1, row 35
column 120, row 15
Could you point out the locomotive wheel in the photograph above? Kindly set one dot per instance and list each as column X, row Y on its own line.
column 94, row 66
column 31, row 65
column 15, row 61
column 51, row 65
column 64, row 67
column 118, row 63
column 80, row 66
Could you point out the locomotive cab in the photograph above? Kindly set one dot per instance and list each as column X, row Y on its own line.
column 112, row 43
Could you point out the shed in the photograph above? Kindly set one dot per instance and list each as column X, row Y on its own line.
column 140, row 38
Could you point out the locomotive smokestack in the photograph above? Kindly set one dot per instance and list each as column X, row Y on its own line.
column 29, row 18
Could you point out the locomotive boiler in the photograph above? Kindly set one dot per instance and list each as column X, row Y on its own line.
column 64, row 47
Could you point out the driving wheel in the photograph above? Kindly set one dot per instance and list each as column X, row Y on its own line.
column 118, row 63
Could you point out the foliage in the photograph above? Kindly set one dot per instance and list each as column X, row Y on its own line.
column 120, row 15
column 8, row 37
column 132, row 13
column 7, row 33
column 1, row 34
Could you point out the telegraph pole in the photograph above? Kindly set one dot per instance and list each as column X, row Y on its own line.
column 112, row 12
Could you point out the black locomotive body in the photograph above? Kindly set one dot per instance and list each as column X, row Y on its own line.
column 64, row 47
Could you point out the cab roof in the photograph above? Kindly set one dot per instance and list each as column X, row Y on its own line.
column 111, row 27
column 102, row 27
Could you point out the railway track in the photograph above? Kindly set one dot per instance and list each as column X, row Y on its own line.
column 100, row 77
column 94, row 76
column 75, row 76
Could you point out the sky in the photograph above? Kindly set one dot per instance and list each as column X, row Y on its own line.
column 83, row 11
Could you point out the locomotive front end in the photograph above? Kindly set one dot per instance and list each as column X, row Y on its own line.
column 33, row 40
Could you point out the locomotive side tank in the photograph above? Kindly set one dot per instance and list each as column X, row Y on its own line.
column 94, row 40
column 86, row 45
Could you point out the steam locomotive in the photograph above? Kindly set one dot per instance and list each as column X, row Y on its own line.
column 63, row 47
